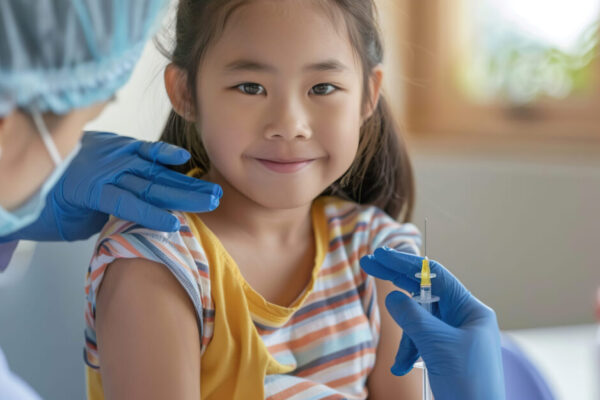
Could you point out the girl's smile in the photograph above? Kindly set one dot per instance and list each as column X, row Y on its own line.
column 285, row 166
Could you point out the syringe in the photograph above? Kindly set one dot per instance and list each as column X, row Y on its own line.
column 426, row 300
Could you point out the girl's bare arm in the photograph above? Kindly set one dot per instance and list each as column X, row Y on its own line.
column 147, row 332
column 382, row 384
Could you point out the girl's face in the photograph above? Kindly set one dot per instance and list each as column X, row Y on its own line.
column 279, row 102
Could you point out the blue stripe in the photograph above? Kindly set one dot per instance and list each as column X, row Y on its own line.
column 89, row 364
column 347, row 237
column 202, row 267
column 343, row 216
column 89, row 338
column 342, row 310
column 332, row 356
column 208, row 313
column 329, row 300
column 370, row 306
column 358, row 334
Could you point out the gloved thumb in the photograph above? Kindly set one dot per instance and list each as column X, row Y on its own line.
column 419, row 325
column 406, row 356
column 163, row 153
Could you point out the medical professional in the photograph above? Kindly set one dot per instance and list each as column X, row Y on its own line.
column 61, row 61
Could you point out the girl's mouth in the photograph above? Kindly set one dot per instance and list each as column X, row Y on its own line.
column 285, row 167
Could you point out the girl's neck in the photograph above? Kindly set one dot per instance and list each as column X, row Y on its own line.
column 240, row 217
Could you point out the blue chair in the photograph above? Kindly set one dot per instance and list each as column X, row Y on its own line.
column 522, row 380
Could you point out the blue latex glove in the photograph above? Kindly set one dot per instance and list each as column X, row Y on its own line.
column 124, row 177
column 460, row 343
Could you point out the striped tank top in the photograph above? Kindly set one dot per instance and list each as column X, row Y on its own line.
column 320, row 347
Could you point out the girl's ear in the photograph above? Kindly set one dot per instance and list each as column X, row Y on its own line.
column 177, row 90
column 375, row 81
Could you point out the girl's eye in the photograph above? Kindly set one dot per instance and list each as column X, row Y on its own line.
column 251, row 88
column 323, row 89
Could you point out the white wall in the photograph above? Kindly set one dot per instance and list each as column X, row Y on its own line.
column 522, row 235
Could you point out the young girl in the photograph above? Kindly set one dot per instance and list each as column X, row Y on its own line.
column 278, row 102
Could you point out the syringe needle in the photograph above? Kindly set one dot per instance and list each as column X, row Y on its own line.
column 425, row 240
column 426, row 301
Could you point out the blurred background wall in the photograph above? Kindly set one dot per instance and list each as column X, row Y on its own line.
column 515, row 216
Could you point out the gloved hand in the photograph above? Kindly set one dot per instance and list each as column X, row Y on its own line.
column 460, row 343
column 124, row 177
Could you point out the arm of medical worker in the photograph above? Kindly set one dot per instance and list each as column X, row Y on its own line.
column 460, row 343
column 124, row 177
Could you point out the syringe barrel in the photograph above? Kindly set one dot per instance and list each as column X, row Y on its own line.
column 425, row 296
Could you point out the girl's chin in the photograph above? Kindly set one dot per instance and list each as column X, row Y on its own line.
column 284, row 197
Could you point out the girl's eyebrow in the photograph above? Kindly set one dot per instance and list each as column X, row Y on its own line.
column 251, row 65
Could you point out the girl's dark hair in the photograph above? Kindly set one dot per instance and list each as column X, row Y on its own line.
column 381, row 173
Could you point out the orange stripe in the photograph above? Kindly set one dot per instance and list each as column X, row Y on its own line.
column 334, row 397
column 332, row 291
column 196, row 255
column 334, row 268
column 382, row 226
column 348, row 357
column 97, row 272
column 343, row 220
column 102, row 250
column 172, row 256
column 339, row 303
column 321, row 333
column 355, row 255
column 88, row 319
column 348, row 239
column 289, row 392
column 181, row 249
column 386, row 225
column 203, row 274
column 123, row 242
column 348, row 379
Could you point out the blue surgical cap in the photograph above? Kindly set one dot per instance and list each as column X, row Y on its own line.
column 57, row 55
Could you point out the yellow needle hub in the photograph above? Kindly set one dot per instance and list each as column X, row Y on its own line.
column 425, row 273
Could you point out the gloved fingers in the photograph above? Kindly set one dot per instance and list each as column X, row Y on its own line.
column 405, row 263
column 171, row 178
column 373, row 267
column 127, row 206
column 445, row 285
column 167, row 197
column 160, row 174
column 163, row 153
column 406, row 356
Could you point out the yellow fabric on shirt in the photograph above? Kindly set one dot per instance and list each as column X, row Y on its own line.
column 244, row 372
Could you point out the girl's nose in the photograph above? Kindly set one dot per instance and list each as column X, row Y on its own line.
column 288, row 121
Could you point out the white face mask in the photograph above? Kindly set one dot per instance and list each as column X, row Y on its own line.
column 12, row 221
